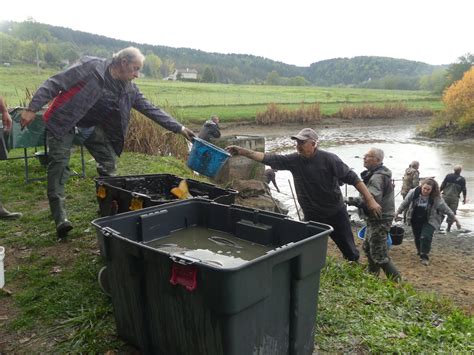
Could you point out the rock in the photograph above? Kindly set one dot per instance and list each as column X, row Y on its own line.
column 249, row 188
column 262, row 202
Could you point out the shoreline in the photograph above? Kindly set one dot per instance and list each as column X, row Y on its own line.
column 251, row 128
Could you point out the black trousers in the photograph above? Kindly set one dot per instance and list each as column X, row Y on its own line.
column 342, row 234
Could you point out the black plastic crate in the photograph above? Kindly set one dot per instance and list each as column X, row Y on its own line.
column 120, row 194
column 168, row 302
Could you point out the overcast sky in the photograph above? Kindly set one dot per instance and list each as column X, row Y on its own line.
column 298, row 32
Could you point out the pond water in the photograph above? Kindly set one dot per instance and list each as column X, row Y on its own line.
column 401, row 146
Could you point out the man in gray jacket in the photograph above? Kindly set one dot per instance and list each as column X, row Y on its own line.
column 378, row 180
column 94, row 97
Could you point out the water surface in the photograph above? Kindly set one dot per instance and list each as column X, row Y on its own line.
column 401, row 146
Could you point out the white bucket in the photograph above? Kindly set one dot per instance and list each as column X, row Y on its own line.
column 2, row 273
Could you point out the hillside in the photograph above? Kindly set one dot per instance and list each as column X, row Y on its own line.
column 28, row 41
column 367, row 71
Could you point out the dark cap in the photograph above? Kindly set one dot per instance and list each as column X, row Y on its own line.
column 305, row 134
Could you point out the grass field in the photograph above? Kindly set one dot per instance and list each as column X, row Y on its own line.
column 197, row 101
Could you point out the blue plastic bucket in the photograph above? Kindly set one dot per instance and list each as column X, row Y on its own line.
column 206, row 158
column 361, row 235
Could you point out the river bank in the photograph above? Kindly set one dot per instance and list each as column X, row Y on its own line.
column 251, row 128
column 451, row 272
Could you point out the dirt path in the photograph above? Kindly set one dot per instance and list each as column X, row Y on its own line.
column 451, row 272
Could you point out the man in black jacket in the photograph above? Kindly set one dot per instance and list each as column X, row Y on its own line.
column 93, row 97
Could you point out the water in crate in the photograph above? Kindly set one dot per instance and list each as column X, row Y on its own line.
column 210, row 246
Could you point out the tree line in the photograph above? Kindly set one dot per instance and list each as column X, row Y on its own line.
column 45, row 45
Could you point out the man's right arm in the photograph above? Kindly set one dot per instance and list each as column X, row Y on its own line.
column 251, row 154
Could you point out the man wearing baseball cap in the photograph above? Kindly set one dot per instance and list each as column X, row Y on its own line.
column 317, row 176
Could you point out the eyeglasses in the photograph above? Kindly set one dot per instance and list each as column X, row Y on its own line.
column 300, row 142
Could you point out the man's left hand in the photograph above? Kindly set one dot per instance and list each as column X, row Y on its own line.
column 188, row 134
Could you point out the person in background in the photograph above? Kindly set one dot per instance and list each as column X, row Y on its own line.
column 93, row 97
column 316, row 175
column 269, row 176
column 7, row 126
column 426, row 210
column 452, row 187
column 411, row 178
column 378, row 179
column 210, row 129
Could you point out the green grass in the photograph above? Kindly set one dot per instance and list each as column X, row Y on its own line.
column 195, row 102
column 361, row 313
column 56, row 295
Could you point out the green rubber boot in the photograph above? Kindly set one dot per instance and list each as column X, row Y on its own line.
column 391, row 271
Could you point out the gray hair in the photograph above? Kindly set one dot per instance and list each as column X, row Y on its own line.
column 415, row 164
column 378, row 153
column 130, row 54
column 457, row 168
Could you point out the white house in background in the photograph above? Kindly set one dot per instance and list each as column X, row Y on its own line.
column 183, row 74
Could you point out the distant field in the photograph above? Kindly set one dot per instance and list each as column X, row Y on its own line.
column 197, row 101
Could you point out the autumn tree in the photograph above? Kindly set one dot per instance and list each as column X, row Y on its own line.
column 151, row 67
column 459, row 101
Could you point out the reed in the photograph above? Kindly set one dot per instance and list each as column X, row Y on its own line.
column 396, row 110
column 147, row 137
column 275, row 114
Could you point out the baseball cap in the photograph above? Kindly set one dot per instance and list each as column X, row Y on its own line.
column 305, row 134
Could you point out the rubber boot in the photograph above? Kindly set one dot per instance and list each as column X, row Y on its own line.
column 391, row 271
column 58, row 210
column 373, row 267
column 5, row 214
